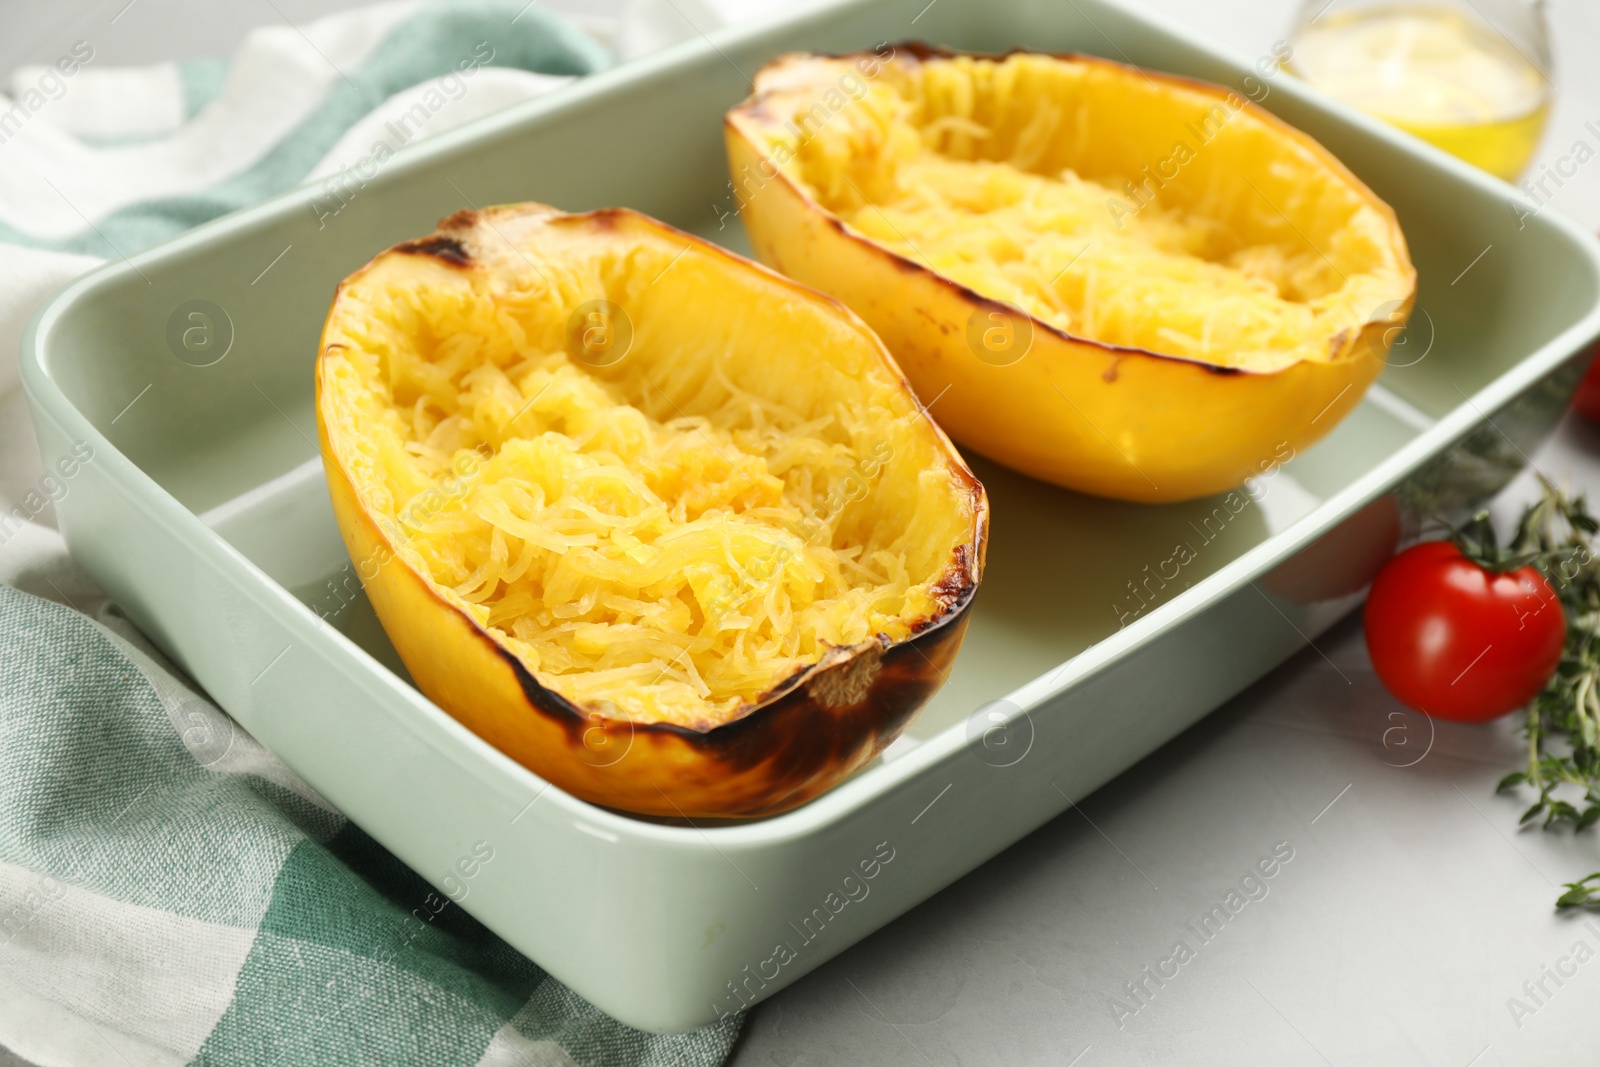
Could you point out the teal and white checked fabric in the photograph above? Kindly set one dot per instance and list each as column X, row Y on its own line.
column 169, row 891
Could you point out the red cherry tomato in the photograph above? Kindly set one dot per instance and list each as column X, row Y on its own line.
column 1456, row 641
column 1586, row 401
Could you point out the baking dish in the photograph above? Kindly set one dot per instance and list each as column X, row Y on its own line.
column 205, row 515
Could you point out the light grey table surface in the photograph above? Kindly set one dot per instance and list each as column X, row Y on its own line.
column 1411, row 913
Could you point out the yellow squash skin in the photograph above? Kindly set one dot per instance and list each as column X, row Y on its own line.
column 807, row 733
column 1120, row 422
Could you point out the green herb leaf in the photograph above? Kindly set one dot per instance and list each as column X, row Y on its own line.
column 1515, row 778
column 1557, row 536
column 1581, row 893
column 1572, row 898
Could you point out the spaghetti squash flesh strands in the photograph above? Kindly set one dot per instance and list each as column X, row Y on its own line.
column 668, row 549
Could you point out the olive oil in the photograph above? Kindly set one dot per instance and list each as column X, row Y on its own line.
column 1434, row 72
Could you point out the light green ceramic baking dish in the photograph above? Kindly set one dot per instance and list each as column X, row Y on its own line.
column 204, row 514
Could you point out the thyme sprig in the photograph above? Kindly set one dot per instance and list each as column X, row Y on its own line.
column 1584, row 893
column 1556, row 537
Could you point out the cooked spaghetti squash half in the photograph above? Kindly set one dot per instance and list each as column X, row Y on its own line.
column 665, row 527
column 1123, row 282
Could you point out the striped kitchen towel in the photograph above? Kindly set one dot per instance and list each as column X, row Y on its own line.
column 169, row 891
